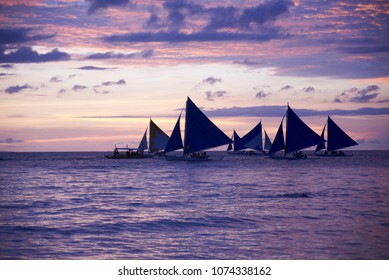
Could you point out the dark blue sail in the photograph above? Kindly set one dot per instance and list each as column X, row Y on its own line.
column 158, row 139
column 237, row 142
column 321, row 146
column 267, row 142
column 337, row 138
column 175, row 140
column 253, row 139
column 278, row 143
column 298, row 135
column 200, row 132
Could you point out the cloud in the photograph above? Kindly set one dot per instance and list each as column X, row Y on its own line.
column 262, row 94
column 78, row 88
column 181, row 14
column 279, row 111
column 104, row 4
column 28, row 55
column 119, row 83
column 358, row 95
column 92, row 68
column 218, row 23
column 19, row 35
column 268, row 11
column 56, row 79
column 309, row 89
column 10, row 141
column 287, row 87
column 205, row 36
column 16, row 89
column 97, row 89
column 112, row 55
column 6, row 66
column 211, row 80
column 210, row 96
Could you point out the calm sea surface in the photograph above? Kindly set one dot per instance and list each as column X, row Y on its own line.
column 84, row 206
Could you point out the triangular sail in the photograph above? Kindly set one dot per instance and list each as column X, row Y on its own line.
column 200, row 132
column 143, row 142
column 278, row 143
column 298, row 135
column 267, row 142
column 253, row 139
column 237, row 142
column 321, row 146
column 158, row 139
column 337, row 138
column 229, row 148
column 175, row 141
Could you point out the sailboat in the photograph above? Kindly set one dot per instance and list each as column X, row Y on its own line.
column 252, row 140
column 200, row 134
column 298, row 136
column 157, row 138
column 336, row 139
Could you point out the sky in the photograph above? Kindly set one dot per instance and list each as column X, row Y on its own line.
column 80, row 75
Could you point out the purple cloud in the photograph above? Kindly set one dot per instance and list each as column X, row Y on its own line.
column 120, row 82
column 287, row 87
column 113, row 55
column 203, row 36
column 78, row 88
column 309, row 89
column 104, row 4
column 28, row 55
column 11, row 141
column 262, row 94
column 92, row 68
column 19, row 35
column 358, row 95
column 16, row 89
column 210, row 96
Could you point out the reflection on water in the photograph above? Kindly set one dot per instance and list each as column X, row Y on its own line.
column 83, row 206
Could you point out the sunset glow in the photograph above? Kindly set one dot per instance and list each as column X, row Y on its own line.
column 81, row 75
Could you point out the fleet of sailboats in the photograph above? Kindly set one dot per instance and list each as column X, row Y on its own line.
column 201, row 134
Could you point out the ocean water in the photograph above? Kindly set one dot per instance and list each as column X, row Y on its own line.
column 84, row 206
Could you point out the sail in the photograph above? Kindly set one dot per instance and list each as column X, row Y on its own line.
column 237, row 142
column 337, row 138
column 200, row 132
column 298, row 135
column 267, row 141
column 143, row 142
column 278, row 143
column 175, row 141
column 158, row 139
column 321, row 146
column 253, row 139
column 229, row 148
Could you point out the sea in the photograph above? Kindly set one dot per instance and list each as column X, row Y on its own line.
column 81, row 205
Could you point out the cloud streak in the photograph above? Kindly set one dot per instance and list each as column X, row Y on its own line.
column 279, row 111
column 20, row 35
column 28, row 55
